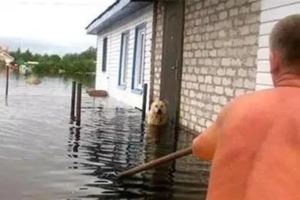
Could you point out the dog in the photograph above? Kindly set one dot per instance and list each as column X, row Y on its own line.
column 157, row 115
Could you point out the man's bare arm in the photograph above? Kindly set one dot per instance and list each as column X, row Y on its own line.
column 204, row 146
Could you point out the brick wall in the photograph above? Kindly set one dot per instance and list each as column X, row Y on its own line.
column 157, row 51
column 219, row 60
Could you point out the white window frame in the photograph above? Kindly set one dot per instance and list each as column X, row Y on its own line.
column 123, row 58
column 139, row 57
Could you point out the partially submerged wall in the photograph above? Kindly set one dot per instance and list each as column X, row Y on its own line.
column 219, row 56
column 219, row 59
column 157, row 49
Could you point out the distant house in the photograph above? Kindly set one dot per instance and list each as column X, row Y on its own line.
column 27, row 67
column 4, row 55
column 124, row 33
column 31, row 63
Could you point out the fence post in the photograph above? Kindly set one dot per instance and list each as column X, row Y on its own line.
column 78, row 107
column 7, row 81
column 73, row 94
column 145, row 91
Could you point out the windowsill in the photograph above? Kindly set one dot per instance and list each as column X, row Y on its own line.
column 122, row 87
column 137, row 91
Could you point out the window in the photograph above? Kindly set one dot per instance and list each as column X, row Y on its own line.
column 123, row 58
column 139, row 57
column 104, row 55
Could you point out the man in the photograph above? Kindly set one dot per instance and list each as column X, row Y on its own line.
column 254, row 144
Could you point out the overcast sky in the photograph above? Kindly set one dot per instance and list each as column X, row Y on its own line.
column 57, row 22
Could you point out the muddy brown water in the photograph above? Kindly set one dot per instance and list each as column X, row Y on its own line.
column 43, row 157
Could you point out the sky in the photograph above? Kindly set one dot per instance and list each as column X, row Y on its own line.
column 48, row 25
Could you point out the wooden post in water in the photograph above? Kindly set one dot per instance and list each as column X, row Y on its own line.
column 73, row 95
column 7, row 81
column 78, row 107
column 145, row 92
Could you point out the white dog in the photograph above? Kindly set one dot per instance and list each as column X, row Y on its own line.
column 158, row 113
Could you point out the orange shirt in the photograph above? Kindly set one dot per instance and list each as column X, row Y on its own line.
column 255, row 146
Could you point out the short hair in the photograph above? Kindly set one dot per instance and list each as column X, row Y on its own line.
column 285, row 38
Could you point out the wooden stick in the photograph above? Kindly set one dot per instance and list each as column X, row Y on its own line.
column 156, row 162
column 145, row 92
column 78, row 107
column 73, row 94
column 7, row 81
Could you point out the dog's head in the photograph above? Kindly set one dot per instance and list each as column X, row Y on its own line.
column 158, row 107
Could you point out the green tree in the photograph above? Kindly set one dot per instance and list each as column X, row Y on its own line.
column 72, row 63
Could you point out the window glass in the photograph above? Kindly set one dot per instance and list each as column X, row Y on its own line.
column 123, row 58
column 104, row 55
column 139, row 58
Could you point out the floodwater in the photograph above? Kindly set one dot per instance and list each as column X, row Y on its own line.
column 43, row 157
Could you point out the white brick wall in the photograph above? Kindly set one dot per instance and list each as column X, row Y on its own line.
column 157, row 51
column 219, row 57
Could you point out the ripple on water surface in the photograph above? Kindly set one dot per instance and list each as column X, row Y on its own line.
column 43, row 157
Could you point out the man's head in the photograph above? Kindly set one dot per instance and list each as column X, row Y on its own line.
column 285, row 46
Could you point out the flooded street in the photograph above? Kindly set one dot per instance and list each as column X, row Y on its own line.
column 43, row 157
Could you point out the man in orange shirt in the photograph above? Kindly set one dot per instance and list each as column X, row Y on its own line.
column 254, row 145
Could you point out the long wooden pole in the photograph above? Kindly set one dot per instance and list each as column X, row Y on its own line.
column 145, row 89
column 78, row 107
column 73, row 94
column 156, row 162
column 7, row 80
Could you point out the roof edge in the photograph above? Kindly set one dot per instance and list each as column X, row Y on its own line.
column 103, row 13
column 110, row 11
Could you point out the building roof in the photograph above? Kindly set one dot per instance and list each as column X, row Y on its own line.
column 32, row 63
column 117, row 11
column 5, row 56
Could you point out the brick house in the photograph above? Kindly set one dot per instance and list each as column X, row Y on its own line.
column 224, row 53
column 206, row 52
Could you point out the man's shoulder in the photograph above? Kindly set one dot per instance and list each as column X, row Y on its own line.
column 254, row 97
column 255, row 102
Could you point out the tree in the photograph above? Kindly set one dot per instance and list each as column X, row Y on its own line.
column 27, row 55
column 90, row 53
column 72, row 63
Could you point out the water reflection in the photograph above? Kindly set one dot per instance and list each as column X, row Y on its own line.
column 6, row 101
column 59, row 161
column 161, row 141
column 73, row 145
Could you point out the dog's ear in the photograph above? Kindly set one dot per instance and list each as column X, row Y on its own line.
column 156, row 99
column 153, row 100
column 165, row 102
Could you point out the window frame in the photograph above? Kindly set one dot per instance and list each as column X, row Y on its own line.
column 139, row 53
column 123, row 64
